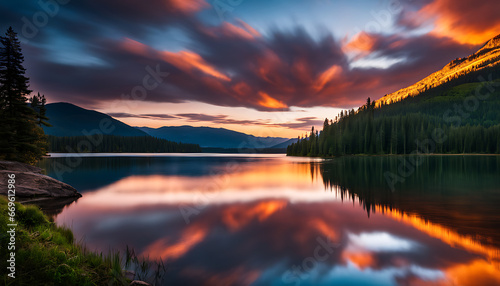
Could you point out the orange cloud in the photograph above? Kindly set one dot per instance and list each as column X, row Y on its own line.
column 134, row 47
column 270, row 68
column 267, row 66
column 245, row 31
column 468, row 22
column 187, row 6
column 228, row 30
column 325, row 229
column 442, row 233
column 361, row 42
column 165, row 249
column 362, row 260
column 327, row 76
column 249, row 28
column 242, row 88
column 269, row 102
column 479, row 272
column 187, row 61
column 236, row 217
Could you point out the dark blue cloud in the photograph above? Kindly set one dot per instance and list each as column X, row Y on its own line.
column 78, row 55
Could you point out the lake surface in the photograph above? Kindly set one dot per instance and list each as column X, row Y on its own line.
column 222, row 219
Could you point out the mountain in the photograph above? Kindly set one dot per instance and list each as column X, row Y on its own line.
column 70, row 120
column 452, row 111
column 487, row 58
column 284, row 144
column 212, row 137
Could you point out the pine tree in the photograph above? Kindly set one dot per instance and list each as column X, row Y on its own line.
column 20, row 137
column 37, row 103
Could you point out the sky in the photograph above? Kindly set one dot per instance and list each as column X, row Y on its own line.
column 264, row 67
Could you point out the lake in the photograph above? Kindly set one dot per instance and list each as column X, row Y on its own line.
column 225, row 219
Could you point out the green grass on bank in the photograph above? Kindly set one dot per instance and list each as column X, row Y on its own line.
column 47, row 254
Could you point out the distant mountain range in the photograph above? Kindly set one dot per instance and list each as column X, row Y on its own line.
column 70, row 120
column 284, row 144
column 213, row 137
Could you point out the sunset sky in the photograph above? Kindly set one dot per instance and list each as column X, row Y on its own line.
column 265, row 67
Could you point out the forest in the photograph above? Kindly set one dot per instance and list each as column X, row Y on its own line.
column 460, row 119
column 118, row 144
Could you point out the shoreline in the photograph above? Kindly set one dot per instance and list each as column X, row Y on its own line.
column 394, row 155
column 31, row 183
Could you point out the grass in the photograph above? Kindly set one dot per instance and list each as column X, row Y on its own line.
column 47, row 254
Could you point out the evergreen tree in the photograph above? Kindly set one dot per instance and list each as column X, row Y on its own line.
column 398, row 134
column 21, row 139
column 110, row 144
column 37, row 103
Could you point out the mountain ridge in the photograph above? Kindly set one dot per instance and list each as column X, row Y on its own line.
column 436, row 110
column 284, row 144
column 68, row 119
column 486, row 57
column 209, row 137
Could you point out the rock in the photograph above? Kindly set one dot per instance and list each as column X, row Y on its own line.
column 139, row 283
column 19, row 167
column 31, row 183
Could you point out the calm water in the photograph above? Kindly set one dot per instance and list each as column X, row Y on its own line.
column 273, row 220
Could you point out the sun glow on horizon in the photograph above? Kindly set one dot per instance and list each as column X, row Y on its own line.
column 288, row 124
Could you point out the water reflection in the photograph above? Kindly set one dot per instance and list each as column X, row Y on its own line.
column 266, row 221
column 460, row 192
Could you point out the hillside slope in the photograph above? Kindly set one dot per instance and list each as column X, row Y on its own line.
column 487, row 57
column 452, row 111
column 71, row 120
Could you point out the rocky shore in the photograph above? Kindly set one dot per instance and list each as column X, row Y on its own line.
column 31, row 183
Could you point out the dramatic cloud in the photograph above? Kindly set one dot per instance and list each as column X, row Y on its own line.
column 191, row 117
column 90, row 53
column 468, row 22
column 304, row 122
column 410, row 58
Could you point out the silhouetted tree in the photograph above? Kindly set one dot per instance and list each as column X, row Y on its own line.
column 37, row 103
column 21, row 139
